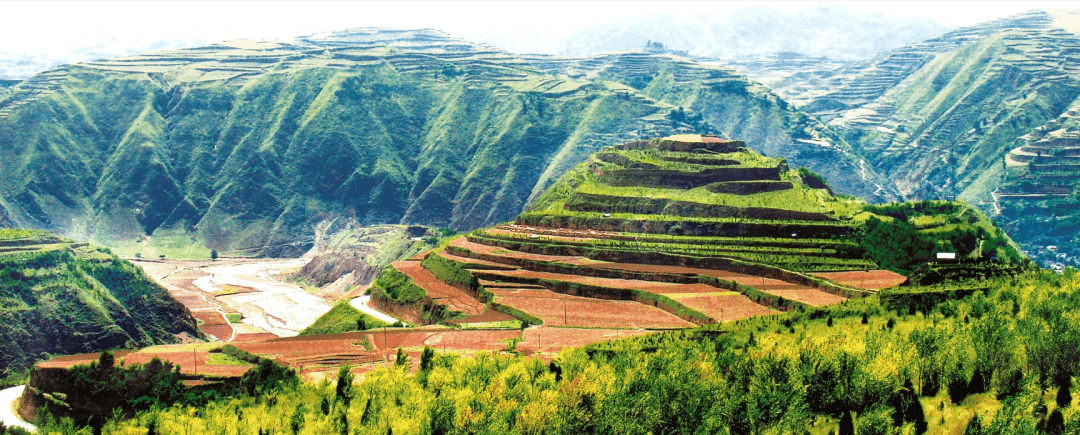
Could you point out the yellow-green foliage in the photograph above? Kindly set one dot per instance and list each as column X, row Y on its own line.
column 778, row 374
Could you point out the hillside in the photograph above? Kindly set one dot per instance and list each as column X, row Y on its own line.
column 961, row 116
column 248, row 145
column 61, row 297
column 687, row 230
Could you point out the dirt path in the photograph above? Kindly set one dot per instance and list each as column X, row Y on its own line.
column 361, row 303
column 8, row 398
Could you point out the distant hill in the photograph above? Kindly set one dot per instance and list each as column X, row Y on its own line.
column 61, row 297
column 833, row 31
column 962, row 115
column 250, row 144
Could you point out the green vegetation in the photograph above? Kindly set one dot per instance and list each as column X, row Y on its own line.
column 431, row 130
column 343, row 318
column 397, row 286
column 53, row 290
column 998, row 359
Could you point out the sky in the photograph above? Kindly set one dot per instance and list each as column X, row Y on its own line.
column 89, row 30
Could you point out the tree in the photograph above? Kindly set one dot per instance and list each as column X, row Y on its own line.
column 1064, row 394
column 426, row 358
column 107, row 360
column 847, row 425
column 974, row 426
column 402, row 358
column 344, row 385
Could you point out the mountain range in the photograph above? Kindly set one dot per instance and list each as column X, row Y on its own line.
column 250, row 144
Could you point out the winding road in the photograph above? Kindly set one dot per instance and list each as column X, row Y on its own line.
column 360, row 303
column 7, row 408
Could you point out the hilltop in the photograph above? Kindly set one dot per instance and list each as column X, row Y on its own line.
column 61, row 297
column 247, row 145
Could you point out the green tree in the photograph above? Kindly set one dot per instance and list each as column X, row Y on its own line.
column 344, row 387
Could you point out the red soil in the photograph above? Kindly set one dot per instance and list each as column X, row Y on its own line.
column 725, row 308
column 545, row 339
column 466, row 261
column 222, row 332
column 503, row 252
column 191, row 361
column 809, row 296
column 260, row 336
column 441, row 292
column 209, row 317
column 563, row 310
column 488, row 316
column 870, row 280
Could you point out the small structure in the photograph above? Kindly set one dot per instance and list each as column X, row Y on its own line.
column 946, row 256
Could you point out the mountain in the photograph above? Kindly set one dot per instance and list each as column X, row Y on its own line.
column 251, row 144
column 62, row 297
column 962, row 115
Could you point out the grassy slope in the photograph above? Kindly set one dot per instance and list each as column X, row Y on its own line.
column 118, row 156
column 60, row 298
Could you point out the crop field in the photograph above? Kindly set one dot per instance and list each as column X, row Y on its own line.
column 559, row 310
column 193, row 359
column 722, row 307
column 870, row 280
column 547, row 341
column 441, row 292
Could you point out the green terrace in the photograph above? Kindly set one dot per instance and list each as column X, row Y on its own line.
column 800, row 258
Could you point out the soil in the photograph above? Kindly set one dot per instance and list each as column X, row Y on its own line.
column 870, row 280
column 442, row 293
column 557, row 309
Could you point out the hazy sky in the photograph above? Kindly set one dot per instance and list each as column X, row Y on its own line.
column 62, row 29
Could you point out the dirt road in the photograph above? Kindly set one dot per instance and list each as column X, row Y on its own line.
column 7, row 411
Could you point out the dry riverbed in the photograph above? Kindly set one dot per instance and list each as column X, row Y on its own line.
column 252, row 289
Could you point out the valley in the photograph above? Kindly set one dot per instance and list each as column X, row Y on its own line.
column 383, row 230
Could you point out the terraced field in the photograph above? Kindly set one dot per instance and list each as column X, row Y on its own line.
column 659, row 234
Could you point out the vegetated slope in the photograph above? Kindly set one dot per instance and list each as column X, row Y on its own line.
column 1039, row 197
column 248, row 144
column 940, row 116
column 697, row 227
column 60, row 297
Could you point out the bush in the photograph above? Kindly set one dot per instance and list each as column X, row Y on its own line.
column 267, row 377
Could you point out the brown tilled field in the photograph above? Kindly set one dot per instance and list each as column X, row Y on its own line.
column 724, row 308
column 192, row 360
column 443, row 293
column 463, row 243
column 489, row 316
column 547, row 340
column 470, row 263
column 806, row 295
column 563, row 310
column 870, row 280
